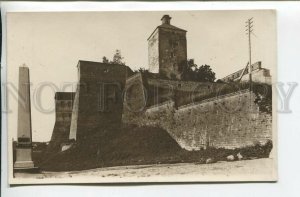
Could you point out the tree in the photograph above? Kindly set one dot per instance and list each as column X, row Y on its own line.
column 195, row 73
column 118, row 59
column 144, row 72
column 105, row 60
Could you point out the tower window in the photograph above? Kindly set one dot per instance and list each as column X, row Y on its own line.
column 173, row 43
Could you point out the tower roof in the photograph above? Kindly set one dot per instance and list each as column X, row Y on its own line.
column 166, row 19
column 166, row 24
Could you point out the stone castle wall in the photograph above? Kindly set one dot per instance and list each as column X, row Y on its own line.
column 259, row 74
column 228, row 121
column 98, row 104
column 172, row 52
column 63, row 113
column 183, row 91
column 134, row 86
column 153, row 54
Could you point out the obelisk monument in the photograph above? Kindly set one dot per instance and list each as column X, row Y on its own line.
column 24, row 145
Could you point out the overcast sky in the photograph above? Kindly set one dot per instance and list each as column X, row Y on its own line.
column 51, row 44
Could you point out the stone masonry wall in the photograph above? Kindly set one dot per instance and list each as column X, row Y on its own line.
column 63, row 112
column 153, row 54
column 98, row 104
column 172, row 52
column 134, row 96
column 184, row 91
column 228, row 121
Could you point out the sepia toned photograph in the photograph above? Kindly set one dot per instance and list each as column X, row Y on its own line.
column 141, row 97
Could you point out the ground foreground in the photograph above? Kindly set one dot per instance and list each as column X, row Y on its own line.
column 245, row 170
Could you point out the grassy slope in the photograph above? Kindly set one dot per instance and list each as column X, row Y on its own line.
column 132, row 146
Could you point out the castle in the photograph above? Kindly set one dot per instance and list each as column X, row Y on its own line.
column 111, row 95
column 63, row 114
column 167, row 52
column 259, row 74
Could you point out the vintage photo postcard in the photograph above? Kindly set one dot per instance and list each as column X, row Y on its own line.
column 152, row 96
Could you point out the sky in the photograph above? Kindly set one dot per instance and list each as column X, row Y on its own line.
column 51, row 44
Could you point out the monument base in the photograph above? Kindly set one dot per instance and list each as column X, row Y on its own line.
column 24, row 161
column 27, row 170
column 23, row 164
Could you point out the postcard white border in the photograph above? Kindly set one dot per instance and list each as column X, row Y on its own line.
column 288, row 24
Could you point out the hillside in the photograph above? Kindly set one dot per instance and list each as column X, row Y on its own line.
column 132, row 145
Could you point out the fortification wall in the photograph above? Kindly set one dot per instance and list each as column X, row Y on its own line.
column 183, row 92
column 259, row 74
column 134, row 97
column 63, row 112
column 98, row 103
column 228, row 121
column 180, row 85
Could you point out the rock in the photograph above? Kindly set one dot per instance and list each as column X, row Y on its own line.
column 66, row 147
column 201, row 161
column 239, row 156
column 209, row 160
column 230, row 158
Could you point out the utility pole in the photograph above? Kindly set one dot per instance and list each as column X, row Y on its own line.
column 249, row 30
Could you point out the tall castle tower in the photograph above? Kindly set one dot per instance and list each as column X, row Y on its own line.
column 167, row 52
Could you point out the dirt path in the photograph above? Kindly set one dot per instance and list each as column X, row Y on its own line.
column 246, row 170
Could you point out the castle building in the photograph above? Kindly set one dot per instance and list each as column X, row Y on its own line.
column 98, row 102
column 167, row 50
column 259, row 74
column 63, row 112
column 109, row 96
